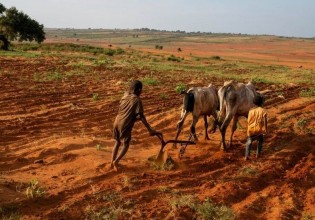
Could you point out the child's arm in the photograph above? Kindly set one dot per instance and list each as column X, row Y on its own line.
column 146, row 124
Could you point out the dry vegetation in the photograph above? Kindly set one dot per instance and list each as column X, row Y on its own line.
column 58, row 102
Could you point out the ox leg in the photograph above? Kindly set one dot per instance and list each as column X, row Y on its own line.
column 206, row 128
column 193, row 128
column 180, row 126
column 214, row 123
column 223, row 130
column 234, row 126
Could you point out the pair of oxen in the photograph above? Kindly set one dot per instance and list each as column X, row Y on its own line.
column 233, row 100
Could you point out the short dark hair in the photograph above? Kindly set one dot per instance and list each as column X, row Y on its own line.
column 135, row 86
column 259, row 100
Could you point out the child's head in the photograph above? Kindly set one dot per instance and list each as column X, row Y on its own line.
column 135, row 87
column 259, row 100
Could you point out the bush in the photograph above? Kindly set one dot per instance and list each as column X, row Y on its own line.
column 159, row 47
column 216, row 58
column 173, row 58
column 180, row 88
column 119, row 51
column 109, row 52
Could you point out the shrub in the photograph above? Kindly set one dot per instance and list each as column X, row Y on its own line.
column 109, row 52
column 119, row 51
column 174, row 58
column 159, row 47
column 216, row 58
column 180, row 88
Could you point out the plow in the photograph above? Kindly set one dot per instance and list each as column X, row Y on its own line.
column 183, row 143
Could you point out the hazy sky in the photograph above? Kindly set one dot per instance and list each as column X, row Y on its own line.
column 293, row 18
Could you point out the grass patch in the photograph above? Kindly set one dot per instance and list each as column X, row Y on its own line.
column 183, row 201
column 208, row 211
column 47, row 77
column 164, row 96
column 248, row 171
column 114, row 208
column 149, row 81
column 205, row 210
column 34, row 190
column 174, row 58
column 308, row 92
column 95, row 97
column 107, row 212
column 18, row 54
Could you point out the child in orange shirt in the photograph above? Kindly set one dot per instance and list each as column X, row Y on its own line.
column 257, row 126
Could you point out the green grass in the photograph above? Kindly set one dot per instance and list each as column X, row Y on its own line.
column 181, row 87
column 85, row 58
column 19, row 54
column 308, row 92
column 149, row 81
column 205, row 210
column 208, row 211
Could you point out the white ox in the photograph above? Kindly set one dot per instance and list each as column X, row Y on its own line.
column 236, row 99
column 200, row 101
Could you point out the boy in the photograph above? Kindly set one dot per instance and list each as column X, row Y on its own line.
column 130, row 110
column 257, row 126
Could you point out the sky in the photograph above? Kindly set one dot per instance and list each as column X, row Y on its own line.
column 291, row 18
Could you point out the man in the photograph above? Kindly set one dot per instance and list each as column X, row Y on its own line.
column 257, row 126
column 130, row 110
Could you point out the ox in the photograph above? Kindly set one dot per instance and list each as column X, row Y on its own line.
column 200, row 101
column 236, row 99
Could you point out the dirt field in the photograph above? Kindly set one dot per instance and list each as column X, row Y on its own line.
column 55, row 133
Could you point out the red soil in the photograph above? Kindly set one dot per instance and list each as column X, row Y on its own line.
column 50, row 131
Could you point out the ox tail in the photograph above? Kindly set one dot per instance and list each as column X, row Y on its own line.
column 189, row 102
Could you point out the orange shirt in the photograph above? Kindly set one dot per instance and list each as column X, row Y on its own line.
column 256, row 121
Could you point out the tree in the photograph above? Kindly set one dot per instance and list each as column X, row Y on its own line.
column 15, row 25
